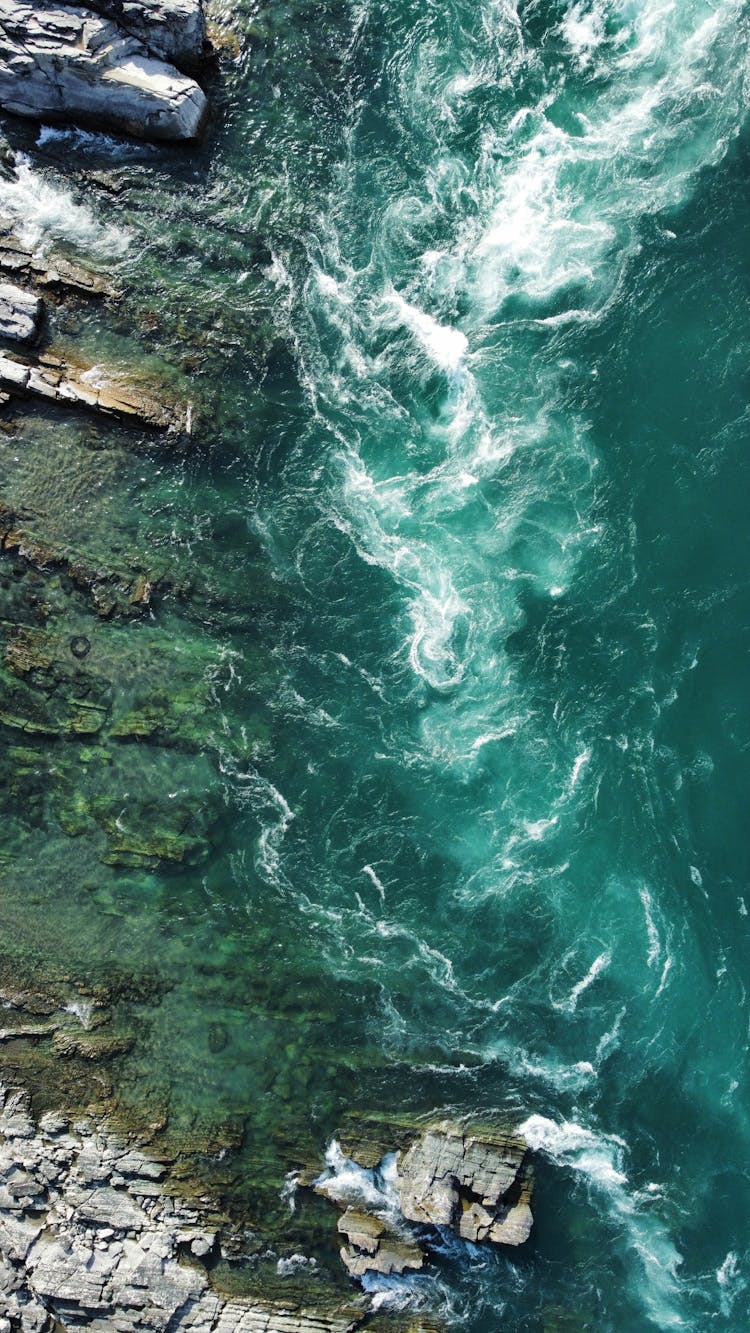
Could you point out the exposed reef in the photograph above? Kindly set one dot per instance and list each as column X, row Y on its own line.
column 93, row 1234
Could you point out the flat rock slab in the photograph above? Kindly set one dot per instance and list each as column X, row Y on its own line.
column 52, row 381
column 20, row 313
column 70, row 65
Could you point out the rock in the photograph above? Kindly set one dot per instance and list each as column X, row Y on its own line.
column 91, row 390
column 75, row 1252
column 69, row 65
column 375, row 1246
column 20, row 313
column 174, row 30
column 55, row 272
column 471, row 1182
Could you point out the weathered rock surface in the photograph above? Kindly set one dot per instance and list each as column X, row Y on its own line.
column 65, row 64
column 473, row 1180
column 20, row 313
column 476, row 1183
column 174, row 30
column 53, row 271
column 90, row 1237
column 53, row 381
column 375, row 1245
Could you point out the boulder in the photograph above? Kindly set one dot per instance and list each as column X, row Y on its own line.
column 20, row 313
column 174, row 30
column 473, row 1180
column 68, row 65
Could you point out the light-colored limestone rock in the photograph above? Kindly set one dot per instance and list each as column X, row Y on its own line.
column 77, row 1253
column 476, row 1181
column 70, row 65
column 450, row 1177
column 52, row 381
column 375, row 1245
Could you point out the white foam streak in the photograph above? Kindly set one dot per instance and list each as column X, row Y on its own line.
column 598, row 966
column 43, row 213
column 599, row 1159
column 446, row 347
column 344, row 1181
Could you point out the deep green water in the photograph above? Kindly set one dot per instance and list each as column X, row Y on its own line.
column 465, row 648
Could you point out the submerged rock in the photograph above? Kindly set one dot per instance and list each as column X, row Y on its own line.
column 69, row 65
column 20, row 313
column 53, row 271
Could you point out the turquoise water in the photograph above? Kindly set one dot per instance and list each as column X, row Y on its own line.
column 472, row 282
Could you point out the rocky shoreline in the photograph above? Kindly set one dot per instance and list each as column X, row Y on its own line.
column 94, row 1233
column 102, row 1227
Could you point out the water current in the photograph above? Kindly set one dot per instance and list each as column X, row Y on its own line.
column 474, row 617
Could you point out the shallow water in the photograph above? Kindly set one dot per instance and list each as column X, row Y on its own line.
column 458, row 583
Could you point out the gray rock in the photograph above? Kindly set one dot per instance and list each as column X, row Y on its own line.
column 76, row 1253
column 20, row 313
column 376, row 1246
column 174, row 30
column 474, row 1180
column 471, row 1182
column 69, row 65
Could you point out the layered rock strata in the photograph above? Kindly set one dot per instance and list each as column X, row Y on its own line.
column 54, row 272
column 478, row 1184
column 475, row 1181
column 63, row 64
column 376, row 1245
column 92, row 1237
column 50, row 380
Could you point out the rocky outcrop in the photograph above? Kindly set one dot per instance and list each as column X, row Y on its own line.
column 376, row 1245
column 174, row 30
column 52, row 271
column 92, row 1237
column 65, row 64
column 477, row 1183
column 20, row 313
column 400, row 1183
column 51, row 380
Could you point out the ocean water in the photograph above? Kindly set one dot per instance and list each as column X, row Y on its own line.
column 465, row 529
